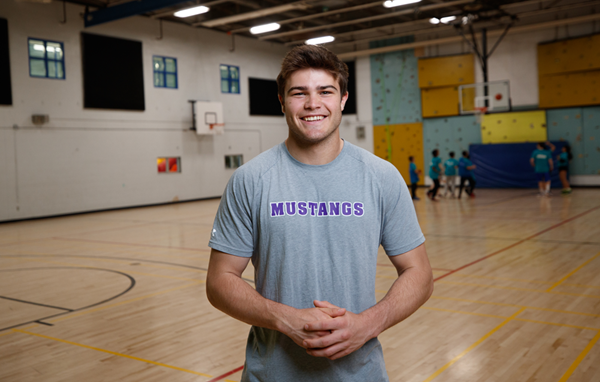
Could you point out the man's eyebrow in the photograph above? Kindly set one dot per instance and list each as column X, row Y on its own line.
column 304, row 88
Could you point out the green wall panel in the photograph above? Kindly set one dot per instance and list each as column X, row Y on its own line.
column 591, row 139
column 567, row 125
column 449, row 134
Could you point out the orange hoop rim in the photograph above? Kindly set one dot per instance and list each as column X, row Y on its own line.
column 482, row 109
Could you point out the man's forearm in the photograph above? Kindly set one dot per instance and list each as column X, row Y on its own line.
column 410, row 290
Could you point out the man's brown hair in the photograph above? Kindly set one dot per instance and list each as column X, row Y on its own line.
column 312, row 57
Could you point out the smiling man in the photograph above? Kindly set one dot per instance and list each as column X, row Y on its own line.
column 311, row 214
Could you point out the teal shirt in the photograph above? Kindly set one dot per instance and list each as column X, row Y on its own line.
column 463, row 163
column 450, row 166
column 541, row 160
column 434, row 168
column 563, row 160
column 414, row 177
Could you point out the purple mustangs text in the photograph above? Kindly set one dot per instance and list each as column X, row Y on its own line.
column 317, row 209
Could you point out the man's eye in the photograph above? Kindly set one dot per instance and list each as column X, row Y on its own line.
column 326, row 92
column 298, row 94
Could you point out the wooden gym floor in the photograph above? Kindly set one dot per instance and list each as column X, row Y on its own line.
column 119, row 295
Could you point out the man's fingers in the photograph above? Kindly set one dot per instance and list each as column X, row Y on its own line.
column 332, row 324
column 327, row 352
column 324, row 304
column 321, row 342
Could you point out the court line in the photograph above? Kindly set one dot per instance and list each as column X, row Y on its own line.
column 580, row 358
column 573, row 272
column 113, row 353
column 556, row 324
column 520, row 289
column 504, row 279
column 130, row 244
column 226, row 374
column 83, row 312
column 473, row 346
column 517, row 243
column 462, row 312
column 36, row 303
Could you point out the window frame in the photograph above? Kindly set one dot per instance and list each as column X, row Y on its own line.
column 229, row 79
column 164, row 72
column 46, row 59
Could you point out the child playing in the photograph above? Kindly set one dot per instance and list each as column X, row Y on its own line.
column 434, row 174
column 414, row 177
column 450, row 171
column 563, row 168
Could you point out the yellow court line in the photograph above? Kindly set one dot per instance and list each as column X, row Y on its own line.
column 5, row 333
column 555, row 324
column 473, row 346
column 573, row 272
column 518, row 289
column 579, row 358
column 112, row 352
column 502, row 279
column 463, row 312
column 516, row 306
column 73, row 315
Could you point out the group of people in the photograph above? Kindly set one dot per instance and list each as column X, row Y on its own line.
column 451, row 169
column 541, row 160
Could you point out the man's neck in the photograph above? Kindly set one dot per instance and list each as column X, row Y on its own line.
column 315, row 153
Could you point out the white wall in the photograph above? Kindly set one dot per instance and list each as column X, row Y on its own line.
column 90, row 159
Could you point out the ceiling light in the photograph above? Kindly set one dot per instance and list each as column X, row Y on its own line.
column 434, row 20
column 397, row 3
column 192, row 11
column 265, row 28
column 320, row 40
column 447, row 19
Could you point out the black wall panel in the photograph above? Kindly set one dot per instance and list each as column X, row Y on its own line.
column 5, row 83
column 350, row 107
column 113, row 75
column 263, row 97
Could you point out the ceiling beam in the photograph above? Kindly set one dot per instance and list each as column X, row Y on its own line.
column 129, row 9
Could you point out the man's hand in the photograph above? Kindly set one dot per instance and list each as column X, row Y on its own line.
column 349, row 332
column 294, row 325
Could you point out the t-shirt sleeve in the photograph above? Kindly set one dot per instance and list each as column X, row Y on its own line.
column 232, row 231
column 401, row 231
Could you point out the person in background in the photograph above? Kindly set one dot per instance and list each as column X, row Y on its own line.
column 563, row 168
column 541, row 160
column 450, row 171
column 465, row 170
column 434, row 174
column 414, row 177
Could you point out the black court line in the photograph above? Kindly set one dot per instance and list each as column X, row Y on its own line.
column 131, row 285
column 44, row 323
column 123, row 258
column 36, row 303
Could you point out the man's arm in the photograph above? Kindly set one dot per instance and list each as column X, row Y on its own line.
column 228, row 292
column 349, row 332
column 551, row 164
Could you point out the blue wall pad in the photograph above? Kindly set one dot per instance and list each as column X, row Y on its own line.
column 449, row 134
column 395, row 88
column 507, row 165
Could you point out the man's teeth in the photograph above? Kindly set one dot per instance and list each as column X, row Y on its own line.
column 315, row 118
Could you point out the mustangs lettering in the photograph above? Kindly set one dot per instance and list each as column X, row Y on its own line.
column 317, row 209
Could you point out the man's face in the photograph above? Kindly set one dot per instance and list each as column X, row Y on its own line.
column 313, row 105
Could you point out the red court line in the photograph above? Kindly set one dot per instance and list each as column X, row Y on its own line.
column 517, row 243
column 215, row 379
column 131, row 244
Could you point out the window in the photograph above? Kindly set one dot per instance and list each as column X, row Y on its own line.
column 230, row 79
column 169, row 164
column 165, row 72
column 234, row 161
column 46, row 59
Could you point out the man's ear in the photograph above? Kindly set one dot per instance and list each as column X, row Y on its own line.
column 344, row 99
column 282, row 104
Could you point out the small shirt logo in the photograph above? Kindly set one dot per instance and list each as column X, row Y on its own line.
column 214, row 232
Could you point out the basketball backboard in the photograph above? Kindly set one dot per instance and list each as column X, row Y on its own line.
column 208, row 117
column 494, row 96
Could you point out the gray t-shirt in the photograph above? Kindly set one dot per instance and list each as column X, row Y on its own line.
column 313, row 233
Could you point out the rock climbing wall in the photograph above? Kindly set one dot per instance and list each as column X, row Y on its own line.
column 517, row 127
column 401, row 141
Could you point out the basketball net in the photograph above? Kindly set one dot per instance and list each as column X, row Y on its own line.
column 479, row 112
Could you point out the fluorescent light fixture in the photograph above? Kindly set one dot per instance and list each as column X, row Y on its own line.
column 434, row 20
column 397, row 3
column 265, row 28
column 320, row 40
column 447, row 19
column 192, row 11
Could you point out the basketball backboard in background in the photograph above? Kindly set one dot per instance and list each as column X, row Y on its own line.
column 493, row 96
column 208, row 117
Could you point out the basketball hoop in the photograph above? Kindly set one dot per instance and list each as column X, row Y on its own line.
column 479, row 111
column 212, row 125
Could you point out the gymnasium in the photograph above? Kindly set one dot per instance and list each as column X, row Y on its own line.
column 122, row 121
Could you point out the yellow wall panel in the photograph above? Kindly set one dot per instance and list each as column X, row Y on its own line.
column 405, row 140
column 439, row 102
column 579, row 54
column 529, row 126
column 445, row 71
column 565, row 90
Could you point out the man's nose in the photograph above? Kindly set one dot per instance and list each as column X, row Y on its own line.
column 312, row 102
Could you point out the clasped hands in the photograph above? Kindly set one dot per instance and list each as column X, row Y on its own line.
column 329, row 331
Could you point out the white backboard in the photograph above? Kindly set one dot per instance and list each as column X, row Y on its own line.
column 209, row 118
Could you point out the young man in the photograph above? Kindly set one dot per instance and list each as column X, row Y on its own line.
column 450, row 171
column 541, row 160
column 414, row 177
column 311, row 214
column 465, row 170
column 434, row 174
